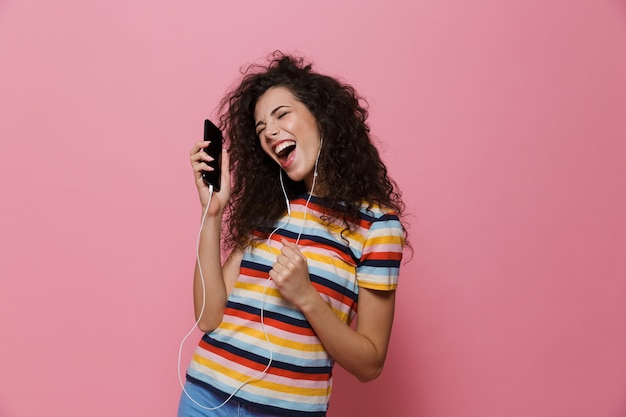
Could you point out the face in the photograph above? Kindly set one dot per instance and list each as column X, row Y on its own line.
column 288, row 133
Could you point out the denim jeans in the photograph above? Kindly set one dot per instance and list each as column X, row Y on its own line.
column 209, row 399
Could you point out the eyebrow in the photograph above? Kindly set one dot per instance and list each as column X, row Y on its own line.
column 271, row 114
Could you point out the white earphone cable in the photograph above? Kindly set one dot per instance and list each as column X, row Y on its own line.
column 262, row 314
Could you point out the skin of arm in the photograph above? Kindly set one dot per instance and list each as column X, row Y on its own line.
column 218, row 280
column 218, row 283
column 361, row 352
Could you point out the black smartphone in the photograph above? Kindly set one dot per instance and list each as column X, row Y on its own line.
column 213, row 134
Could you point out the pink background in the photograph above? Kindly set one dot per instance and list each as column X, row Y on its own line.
column 503, row 122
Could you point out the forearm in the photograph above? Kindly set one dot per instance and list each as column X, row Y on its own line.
column 209, row 288
column 362, row 351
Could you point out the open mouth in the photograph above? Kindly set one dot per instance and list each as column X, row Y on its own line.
column 283, row 150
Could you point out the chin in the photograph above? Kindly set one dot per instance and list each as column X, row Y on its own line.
column 295, row 177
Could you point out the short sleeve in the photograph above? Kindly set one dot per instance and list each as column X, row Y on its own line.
column 379, row 266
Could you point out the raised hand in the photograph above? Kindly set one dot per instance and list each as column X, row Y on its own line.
column 199, row 162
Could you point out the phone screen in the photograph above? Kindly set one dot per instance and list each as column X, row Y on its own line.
column 214, row 135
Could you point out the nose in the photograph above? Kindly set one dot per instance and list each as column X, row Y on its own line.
column 271, row 130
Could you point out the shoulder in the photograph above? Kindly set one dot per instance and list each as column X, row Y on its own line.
column 383, row 244
column 381, row 229
column 374, row 213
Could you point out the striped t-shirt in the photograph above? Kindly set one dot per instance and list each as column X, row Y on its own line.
column 299, row 380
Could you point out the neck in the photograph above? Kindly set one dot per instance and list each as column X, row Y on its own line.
column 314, row 186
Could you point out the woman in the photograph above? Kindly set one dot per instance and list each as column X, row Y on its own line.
column 312, row 226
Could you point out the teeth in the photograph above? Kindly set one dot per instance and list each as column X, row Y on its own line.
column 283, row 146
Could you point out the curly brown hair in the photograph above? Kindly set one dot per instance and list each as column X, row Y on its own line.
column 349, row 160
